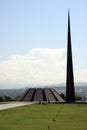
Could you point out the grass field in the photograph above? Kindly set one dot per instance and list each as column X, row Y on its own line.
column 45, row 117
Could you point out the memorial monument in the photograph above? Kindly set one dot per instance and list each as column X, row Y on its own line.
column 70, row 92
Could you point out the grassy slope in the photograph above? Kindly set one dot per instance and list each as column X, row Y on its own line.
column 39, row 117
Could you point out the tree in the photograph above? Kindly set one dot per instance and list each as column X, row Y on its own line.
column 1, row 99
column 7, row 98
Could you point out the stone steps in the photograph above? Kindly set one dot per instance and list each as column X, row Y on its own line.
column 38, row 95
column 57, row 96
column 29, row 95
column 49, row 95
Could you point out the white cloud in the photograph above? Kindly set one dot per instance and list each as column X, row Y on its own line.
column 81, row 75
column 43, row 66
column 39, row 66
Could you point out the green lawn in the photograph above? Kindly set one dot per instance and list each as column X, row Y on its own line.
column 40, row 117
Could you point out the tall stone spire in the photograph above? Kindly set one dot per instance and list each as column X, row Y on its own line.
column 70, row 93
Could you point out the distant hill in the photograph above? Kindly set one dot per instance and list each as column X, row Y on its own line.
column 12, row 92
column 78, row 84
column 79, row 90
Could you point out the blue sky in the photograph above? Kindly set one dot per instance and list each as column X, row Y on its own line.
column 31, row 24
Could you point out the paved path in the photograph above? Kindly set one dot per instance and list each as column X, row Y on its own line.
column 15, row 104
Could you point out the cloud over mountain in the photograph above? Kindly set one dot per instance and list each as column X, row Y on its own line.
column 39, row 66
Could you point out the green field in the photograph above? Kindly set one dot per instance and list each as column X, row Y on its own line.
column 45, row 117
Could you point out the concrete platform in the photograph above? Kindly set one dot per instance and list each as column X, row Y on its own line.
column 14, row 104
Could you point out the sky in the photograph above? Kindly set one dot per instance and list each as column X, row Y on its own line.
column 33, row 41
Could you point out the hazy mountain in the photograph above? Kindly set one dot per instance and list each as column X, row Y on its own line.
column 80, row 91
column 78, row 84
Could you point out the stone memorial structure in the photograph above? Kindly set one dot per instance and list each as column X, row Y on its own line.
column 49, row 94
column 70, row 92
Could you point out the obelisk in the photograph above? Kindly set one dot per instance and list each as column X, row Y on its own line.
column 70, row 92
